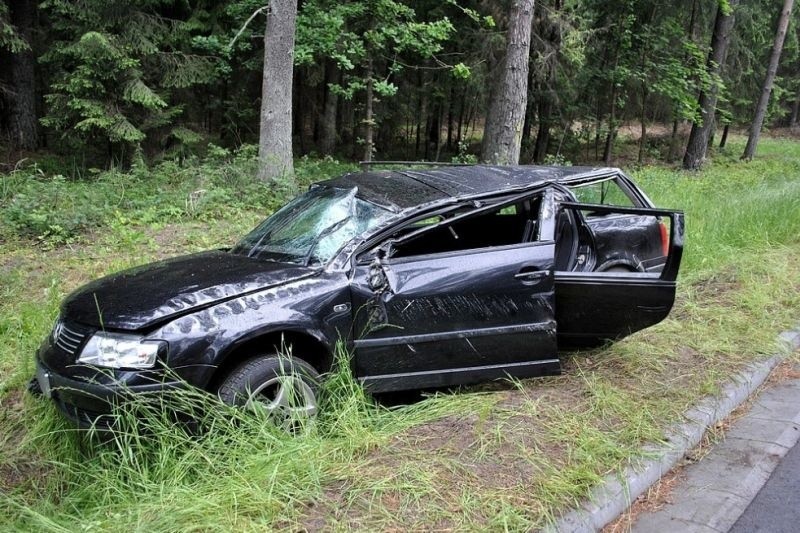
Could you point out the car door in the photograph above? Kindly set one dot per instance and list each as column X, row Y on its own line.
column 482, row 309
column 595, row 306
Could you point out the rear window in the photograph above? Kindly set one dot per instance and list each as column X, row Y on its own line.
column 606, row 192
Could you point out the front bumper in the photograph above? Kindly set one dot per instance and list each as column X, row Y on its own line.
column 89, row 404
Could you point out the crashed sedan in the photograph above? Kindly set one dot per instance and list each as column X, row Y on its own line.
column 430, row 278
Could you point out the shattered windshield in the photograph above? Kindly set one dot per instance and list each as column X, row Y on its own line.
column 312, row 228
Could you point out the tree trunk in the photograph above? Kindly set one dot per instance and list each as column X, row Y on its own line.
column 450, row 119
column 673, row 142
column 369, row 122
column 698, row 137
column 530, row 107
column 460, row 120
column 298, row 124
column 766, row 90
column 724, row 136
column 612, row 124
column 275, row 139
column 502, row 136
column 434, row 131
column 543, row 132
column 327, row 143
column 643, row 136
column 795, row 111
column 22, row 124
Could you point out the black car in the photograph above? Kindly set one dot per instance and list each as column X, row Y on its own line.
column 431, row 278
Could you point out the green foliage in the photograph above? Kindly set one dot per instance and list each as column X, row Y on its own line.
column 351, row 33
column 114, row 67
column 56, row 210
column 10, row 39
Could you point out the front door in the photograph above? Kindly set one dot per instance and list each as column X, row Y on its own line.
column 428, row 318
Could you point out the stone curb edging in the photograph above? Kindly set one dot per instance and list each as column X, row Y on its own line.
column 607, row 501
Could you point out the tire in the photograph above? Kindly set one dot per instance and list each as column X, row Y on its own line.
column 284, row 388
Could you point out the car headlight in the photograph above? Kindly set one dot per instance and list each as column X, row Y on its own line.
column 117, row 350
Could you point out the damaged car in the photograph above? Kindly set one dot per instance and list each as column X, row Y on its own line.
column 431, row 278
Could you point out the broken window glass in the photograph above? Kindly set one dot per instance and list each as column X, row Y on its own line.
column 313, row 227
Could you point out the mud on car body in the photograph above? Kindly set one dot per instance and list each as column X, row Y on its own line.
column 432, row 278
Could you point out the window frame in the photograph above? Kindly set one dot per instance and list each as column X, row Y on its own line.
column 617, row 180
column 383, row 241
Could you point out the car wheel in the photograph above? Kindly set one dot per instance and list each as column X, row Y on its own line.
column 285, row 388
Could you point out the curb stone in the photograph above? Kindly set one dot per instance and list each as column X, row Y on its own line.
column 610, row 499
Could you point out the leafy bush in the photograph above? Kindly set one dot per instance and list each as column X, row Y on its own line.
column 57, row 210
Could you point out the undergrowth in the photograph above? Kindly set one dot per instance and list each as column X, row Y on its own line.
column 55, row 209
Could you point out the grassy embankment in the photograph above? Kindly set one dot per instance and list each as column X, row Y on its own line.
column 502, row 456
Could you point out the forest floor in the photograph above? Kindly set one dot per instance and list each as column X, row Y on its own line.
column 507, row 455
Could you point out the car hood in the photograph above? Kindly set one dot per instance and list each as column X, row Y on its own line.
column 147, row 295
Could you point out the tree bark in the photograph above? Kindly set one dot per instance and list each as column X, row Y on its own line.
column 450, row 118
column 612, row 124
column 502, row 136
column 673, row 142
column 724, row 139
column 643, row 134
column 275, row 139
column 460, row 120
column 23, row 128
column 543, row 132
column 369, row 121
column 698, row 137
column 766, row 90
column 327, row 143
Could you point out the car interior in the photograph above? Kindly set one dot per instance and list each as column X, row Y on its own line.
column 505, row 225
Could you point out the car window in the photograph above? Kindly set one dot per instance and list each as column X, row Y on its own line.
column 313, row 227
column 459, row 230
column 606, row 192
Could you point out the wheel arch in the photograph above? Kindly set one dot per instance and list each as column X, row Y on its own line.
column 624, row 262
column 308, row 345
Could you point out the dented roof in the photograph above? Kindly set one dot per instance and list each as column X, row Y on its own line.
column 410, row 188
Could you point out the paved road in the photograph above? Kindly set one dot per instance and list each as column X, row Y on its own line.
column 758, row 462
column 776, row 508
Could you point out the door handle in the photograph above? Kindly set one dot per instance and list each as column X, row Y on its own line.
column 530, row 275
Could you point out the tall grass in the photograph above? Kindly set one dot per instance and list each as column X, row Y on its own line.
column 733, row 207
column 239, row 471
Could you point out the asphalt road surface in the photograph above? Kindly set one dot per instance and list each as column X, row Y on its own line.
column 776, row 508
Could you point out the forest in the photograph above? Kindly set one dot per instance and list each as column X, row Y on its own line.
column 105, row 83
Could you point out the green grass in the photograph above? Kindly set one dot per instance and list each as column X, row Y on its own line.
column 499, row 456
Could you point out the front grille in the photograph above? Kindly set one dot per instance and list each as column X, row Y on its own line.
column 84, row 417
column 69, row 337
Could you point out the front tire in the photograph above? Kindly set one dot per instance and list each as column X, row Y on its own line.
column 285, row 388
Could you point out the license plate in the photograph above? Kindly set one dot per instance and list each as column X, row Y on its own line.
column 44, row 382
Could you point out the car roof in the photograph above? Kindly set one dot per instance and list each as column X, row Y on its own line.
column 407, row 188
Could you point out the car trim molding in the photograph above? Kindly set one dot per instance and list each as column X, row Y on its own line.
column 459, row 369
column 549, row 325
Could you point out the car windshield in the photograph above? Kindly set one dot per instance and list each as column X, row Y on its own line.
column 313, row 227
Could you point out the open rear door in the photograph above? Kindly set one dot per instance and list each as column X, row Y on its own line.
column 592, row 307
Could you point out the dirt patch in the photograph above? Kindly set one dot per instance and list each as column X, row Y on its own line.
column 717, row 288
